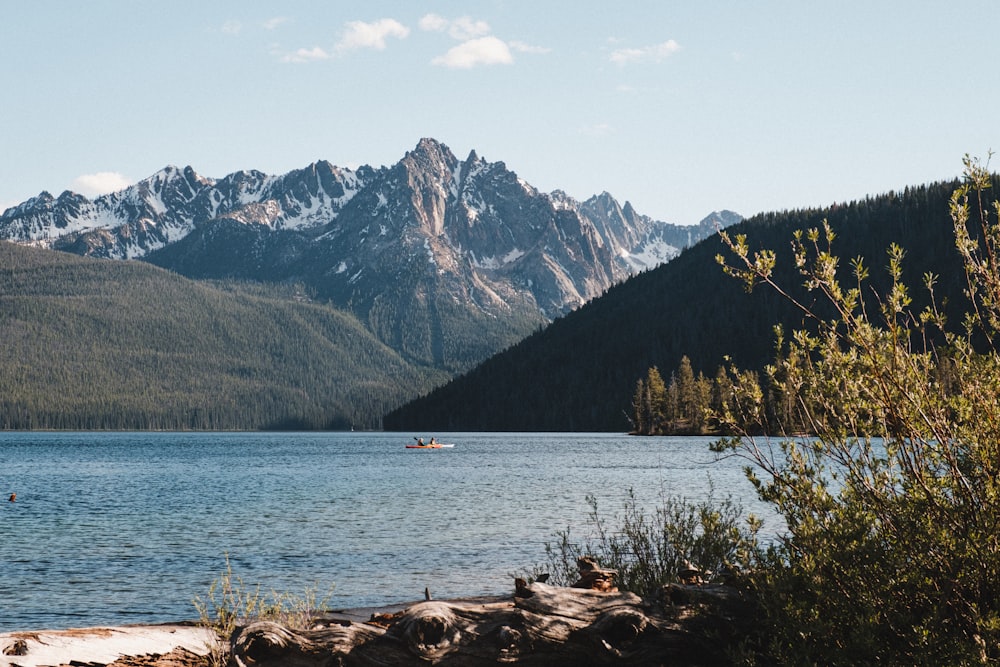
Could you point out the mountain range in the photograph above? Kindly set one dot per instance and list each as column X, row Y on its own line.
column 100, row 343
column 446, row 261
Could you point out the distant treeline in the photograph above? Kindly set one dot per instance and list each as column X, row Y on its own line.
column 689, row 404
column 680, row 406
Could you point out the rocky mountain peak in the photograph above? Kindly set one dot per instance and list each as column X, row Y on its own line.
column 431, row 155
column 606, row 199
column 195, row 179
column 720, row 219
column 41, row 200
column 427, row 173
column 166, row 177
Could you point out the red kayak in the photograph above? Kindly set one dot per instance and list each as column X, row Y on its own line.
column 436, row 445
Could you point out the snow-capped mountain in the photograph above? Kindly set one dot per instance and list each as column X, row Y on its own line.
column 168, row 205
column 444, row 259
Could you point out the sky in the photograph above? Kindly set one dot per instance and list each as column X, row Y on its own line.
column 681, row 108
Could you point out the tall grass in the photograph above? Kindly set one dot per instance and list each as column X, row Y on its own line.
column 230, row 603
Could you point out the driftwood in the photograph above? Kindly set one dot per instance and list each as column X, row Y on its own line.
column 539, row 625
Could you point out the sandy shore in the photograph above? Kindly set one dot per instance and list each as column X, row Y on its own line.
column 101, row 646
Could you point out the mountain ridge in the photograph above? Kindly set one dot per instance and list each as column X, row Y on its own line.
column 445, row 260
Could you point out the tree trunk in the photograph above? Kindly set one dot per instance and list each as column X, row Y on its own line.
column 540, row 625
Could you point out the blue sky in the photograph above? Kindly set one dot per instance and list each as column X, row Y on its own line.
column 681, row 108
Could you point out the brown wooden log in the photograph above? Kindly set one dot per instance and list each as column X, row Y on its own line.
column 583, row 605
column 267, row 643
column 544, row 625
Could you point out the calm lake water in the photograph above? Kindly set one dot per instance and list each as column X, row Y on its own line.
column 117, row 528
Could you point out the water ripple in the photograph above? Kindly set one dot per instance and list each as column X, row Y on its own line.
column 130, row 527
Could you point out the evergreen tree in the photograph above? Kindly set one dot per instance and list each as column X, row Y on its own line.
column 649, row 403
column 672, row 407
column 687, row 390
column 657, row 391
column 703, row 400
column 640, row 408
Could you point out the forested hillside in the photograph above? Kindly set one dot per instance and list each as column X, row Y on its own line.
column 580, row 373
column 100, row 344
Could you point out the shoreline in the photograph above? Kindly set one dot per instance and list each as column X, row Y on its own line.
column 588, row 623
column 108, row 644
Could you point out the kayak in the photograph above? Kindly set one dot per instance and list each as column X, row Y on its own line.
column 436, row 445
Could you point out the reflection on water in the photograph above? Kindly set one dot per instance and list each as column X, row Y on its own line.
column 129, row 527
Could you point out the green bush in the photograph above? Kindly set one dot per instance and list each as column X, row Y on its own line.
column 892, row 501
column 649, row 549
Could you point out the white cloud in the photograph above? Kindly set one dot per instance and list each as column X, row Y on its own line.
column 655, row 53
column 521, row 47
column 482, row 51
column 305, row 55
column 272, row 23
column 463, row 28
column 433, row 23
column 100, row 183
column 361, row 35
column 232, row 27
column 478, row 46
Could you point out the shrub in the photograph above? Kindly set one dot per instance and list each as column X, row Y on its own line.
column 892, row 503
column 648, row 550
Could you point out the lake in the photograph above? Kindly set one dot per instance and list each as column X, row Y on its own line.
column 118, row 528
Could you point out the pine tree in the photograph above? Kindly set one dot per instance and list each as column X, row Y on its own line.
column 656, row 391
column 687, row 390
column 640, row 408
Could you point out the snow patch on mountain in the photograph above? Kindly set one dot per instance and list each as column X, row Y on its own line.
column 430, row 252
column 649, row 255
column 494, row 262
column 513, row 256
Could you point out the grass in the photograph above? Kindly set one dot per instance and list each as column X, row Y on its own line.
column 231, row 603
